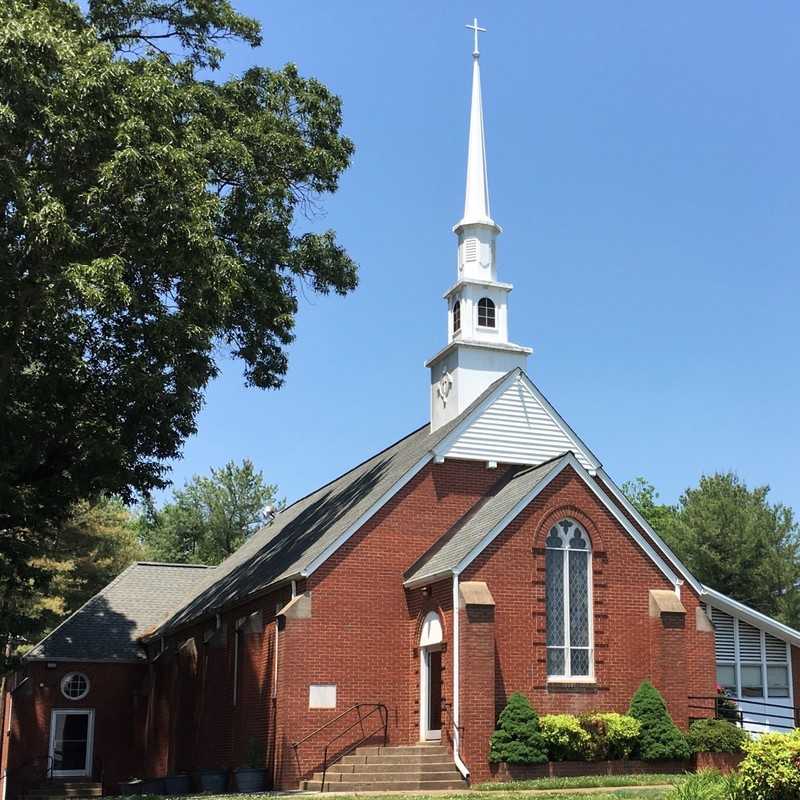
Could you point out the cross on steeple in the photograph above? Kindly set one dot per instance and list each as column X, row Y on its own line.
column 475, row 29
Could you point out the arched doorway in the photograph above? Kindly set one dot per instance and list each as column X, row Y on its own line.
column 430, row 678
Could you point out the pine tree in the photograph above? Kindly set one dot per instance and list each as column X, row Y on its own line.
column 517, row 739
column 660, row 738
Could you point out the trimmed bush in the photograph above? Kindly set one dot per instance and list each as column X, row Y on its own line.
column 716, row 736
column 611, row 736
column 659, row 737
column 771, row 767
column 565, row 738
column 517, row 739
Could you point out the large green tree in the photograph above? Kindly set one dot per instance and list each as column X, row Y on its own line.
column 732, row 538
column 210, row 516
column 146, row 228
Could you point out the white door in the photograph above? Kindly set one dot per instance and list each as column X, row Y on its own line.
column 431, row 693
column 71, row 742
column 430, row 678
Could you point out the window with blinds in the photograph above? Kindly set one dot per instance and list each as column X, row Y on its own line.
column 750, row 662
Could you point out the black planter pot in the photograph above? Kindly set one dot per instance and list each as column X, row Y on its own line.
column 249, row 779
column 214, row 781
column 129, row 788
column 178, row 784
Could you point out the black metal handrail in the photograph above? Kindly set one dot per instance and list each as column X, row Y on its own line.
column 728, row 707
column 375, row 708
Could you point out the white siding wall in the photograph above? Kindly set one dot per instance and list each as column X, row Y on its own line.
column 753, row 665
column 517, row 428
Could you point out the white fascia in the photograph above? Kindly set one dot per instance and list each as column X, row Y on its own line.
column 662, row 545
column 373, row 509
column 518, row 375
column 756, row 618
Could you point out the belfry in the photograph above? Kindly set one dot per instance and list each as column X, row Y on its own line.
column 478, row 349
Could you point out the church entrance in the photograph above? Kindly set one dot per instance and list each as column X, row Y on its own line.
column 430, row 674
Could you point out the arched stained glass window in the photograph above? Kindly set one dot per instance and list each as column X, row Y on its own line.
column 456, row 316
column 568, row 598
column 486, row 313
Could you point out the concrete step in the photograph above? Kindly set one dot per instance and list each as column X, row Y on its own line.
column 402, row 750
column 395, row 758
column 383, row 786
column 392, row 777
column 382, row 766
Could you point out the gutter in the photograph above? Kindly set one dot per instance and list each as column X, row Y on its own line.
column 460, row 765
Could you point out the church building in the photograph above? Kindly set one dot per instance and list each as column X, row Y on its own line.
column 399, row 605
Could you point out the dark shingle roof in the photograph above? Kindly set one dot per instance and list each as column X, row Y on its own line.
column 299, row 534
column 107, row 627
column 459, row 542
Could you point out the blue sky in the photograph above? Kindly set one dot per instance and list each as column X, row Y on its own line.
column 643, row 162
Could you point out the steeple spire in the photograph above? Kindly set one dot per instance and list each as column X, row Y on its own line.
column 476, row 201
column 478, row 349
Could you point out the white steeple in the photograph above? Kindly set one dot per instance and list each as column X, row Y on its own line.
column 478, row 350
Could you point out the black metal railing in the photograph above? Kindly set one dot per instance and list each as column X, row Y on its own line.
column 378, row 709
column 731, row 708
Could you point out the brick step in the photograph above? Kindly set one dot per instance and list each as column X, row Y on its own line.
column 394, row 758
column 383, row 786
column 402, row 750
column 392, row 777
column 382, row 766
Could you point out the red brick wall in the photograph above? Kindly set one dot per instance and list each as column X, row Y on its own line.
column 630, row 646
column 363, row 635
column 118, row 701
column 364, row 629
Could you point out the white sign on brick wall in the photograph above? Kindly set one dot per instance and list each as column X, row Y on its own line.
column 322, row 695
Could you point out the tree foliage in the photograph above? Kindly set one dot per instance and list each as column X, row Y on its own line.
column 659, row 737
column 93, row 545
column 210, row 517
column 732, row 538
column 147, row 227
column 517, row 739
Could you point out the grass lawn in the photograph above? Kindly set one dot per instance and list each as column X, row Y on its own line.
column 584, row 782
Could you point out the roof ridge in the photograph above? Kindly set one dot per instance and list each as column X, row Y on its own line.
column 176, row 564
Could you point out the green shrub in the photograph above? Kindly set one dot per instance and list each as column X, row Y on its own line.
column 771, row 767
column 564, row 737
column 517, row 739
column 611, row 736
column 706, row 785
column 659, row 737
column 715, row 736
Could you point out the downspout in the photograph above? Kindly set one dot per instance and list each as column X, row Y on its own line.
column 460, row 765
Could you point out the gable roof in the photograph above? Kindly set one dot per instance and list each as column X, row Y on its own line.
column 469, row 539
column 306, row 533
column 107, row 627
column 514, row 424
column 724, row 603
column 520, row 485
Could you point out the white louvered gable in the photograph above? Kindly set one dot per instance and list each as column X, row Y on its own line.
column 776, row 650
column 723, row 635
column 749, row 642
column 519, row 427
